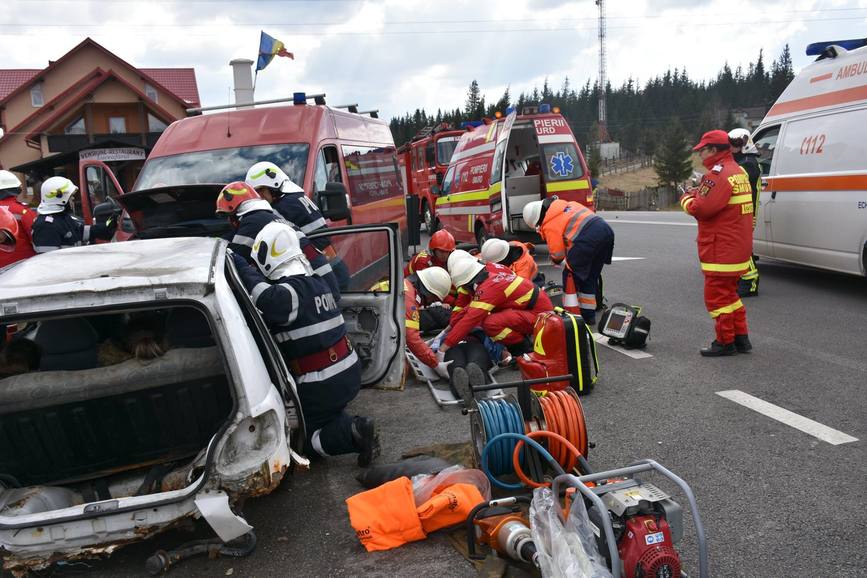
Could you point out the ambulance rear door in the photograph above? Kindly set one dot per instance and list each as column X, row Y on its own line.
column 371, row 298
column 498, row 171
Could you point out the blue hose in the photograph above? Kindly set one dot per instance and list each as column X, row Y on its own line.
column 515, row 436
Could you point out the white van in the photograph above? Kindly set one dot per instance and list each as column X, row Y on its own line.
column 813, row 154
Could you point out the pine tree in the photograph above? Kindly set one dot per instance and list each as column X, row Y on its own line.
column 473, row 97
column 672, row 161
column 504, row 102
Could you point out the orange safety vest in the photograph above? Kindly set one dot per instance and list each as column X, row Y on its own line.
column 525, row 266
column 563, row 222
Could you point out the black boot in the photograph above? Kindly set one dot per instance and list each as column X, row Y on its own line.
column 742, row 343
column 476, row 374
column 366, row 437
column 717, row 349
column 460, row 384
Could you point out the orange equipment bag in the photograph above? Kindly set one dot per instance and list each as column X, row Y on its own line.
column 384, row 517
column 450, row 506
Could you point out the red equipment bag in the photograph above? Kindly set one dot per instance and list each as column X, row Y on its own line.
column 562, row 344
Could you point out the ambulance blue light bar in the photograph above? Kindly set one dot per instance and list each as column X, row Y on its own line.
column 544, row 108
column 472, row 123
column 817, row 48
column 299, row 98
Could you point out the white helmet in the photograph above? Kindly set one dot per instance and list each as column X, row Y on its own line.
column 494, row 250
column 56, row 192
column 464, row 271
column 267, row 174
column 743, row 135
column 277, row 252
column 455, row 256
column 8, row 180
column 436, row 280
column 532, row 212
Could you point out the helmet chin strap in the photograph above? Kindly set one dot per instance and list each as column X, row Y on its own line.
column 283, row 269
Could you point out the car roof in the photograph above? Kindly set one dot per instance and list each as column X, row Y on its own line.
column 111, row 269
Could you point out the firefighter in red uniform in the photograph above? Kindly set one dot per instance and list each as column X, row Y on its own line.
column 22, row 248
column 439, row 248
column 515, row 255
column 419, row 290
column 723, row 207
column 504, row 305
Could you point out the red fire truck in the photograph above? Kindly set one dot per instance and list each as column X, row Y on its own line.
column 423, row 162
column 503, row 164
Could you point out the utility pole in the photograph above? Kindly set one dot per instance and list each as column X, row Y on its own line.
column 603, row 116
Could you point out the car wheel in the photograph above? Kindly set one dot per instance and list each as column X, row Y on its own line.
column 481, row 235
column 430, row 222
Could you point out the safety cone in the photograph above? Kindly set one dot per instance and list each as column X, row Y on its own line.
column 570, row 297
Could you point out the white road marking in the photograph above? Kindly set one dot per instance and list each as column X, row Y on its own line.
column 626, row 259
column 799, row 422
column 674, row 223
column 633, row 353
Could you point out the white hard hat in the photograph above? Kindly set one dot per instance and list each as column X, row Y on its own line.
column 267, row 174
column 436, row 280
column 277, row 252
column 494, row 250
column 8, row 180
column 56, row 192
column 457, row 255
column 743, row 135
column 464, row 271
column 532, row 212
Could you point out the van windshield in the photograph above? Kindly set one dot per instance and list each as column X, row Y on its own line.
column 445, row 148
column 221, row 166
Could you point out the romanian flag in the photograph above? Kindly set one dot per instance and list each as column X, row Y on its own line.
column 269, row 48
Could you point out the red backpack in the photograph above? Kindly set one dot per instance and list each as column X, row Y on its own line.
column 562, row 345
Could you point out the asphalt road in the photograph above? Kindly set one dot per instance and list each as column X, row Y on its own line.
column 775, row 501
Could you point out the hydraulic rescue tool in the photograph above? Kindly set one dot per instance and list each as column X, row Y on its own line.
column 503, row 526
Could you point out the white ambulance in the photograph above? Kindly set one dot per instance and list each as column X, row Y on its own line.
column 813, row 153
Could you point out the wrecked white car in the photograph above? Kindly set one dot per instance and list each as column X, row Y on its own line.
column 157, row 392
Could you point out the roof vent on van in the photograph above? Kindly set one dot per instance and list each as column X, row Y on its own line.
column 828, row 49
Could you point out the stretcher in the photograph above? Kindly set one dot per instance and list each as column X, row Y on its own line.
column 441, row 392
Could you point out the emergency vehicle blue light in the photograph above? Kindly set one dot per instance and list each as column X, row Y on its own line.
column 817, row 48
column 299, row 98
column 510, row 110
column 544, row 108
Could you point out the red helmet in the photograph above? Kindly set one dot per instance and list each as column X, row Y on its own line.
column 8, row 230
column 442, row 240
column 233, row 195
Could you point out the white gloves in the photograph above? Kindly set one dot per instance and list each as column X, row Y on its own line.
column 442, row 369
column 441, row 356
column 438, row 340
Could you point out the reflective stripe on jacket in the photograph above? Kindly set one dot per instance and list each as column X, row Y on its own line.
column 723, row 207
column 563, row 222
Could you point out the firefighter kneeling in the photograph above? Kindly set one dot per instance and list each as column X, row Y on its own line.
column 306, row 322
column 503, row 304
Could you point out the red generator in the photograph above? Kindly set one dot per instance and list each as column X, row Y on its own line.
column 563, row 344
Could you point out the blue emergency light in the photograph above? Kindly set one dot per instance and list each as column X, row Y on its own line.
column 817, row 48
column 299, row 98
column 510, row 110
column 544, row 108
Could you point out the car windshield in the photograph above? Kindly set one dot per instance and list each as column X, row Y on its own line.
column 445, row 148
column 221, row 165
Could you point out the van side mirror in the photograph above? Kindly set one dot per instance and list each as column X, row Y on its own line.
column 332, row 202
column 435, row 189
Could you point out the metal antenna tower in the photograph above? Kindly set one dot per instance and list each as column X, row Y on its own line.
column 603, row 115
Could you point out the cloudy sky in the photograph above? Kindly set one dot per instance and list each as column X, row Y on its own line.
column 398, row 55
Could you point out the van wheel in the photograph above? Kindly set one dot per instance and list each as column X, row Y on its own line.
column 430, row 222
column 481, row 235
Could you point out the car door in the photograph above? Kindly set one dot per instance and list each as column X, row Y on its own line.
column 766, row 143
column 99, row 185
column 372, row 300
column 498, row 168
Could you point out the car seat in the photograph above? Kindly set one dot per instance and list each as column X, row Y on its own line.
column 67, row 344
column 188, row 327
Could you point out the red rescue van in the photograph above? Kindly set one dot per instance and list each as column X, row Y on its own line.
column 423, row 162
column 345, row 161
column 502, row 165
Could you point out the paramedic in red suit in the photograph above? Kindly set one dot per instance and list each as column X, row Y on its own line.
column 722, row 204
column 504, row 305
column 427, row 286
column 441, row 245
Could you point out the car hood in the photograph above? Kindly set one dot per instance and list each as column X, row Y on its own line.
column 175, row 211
